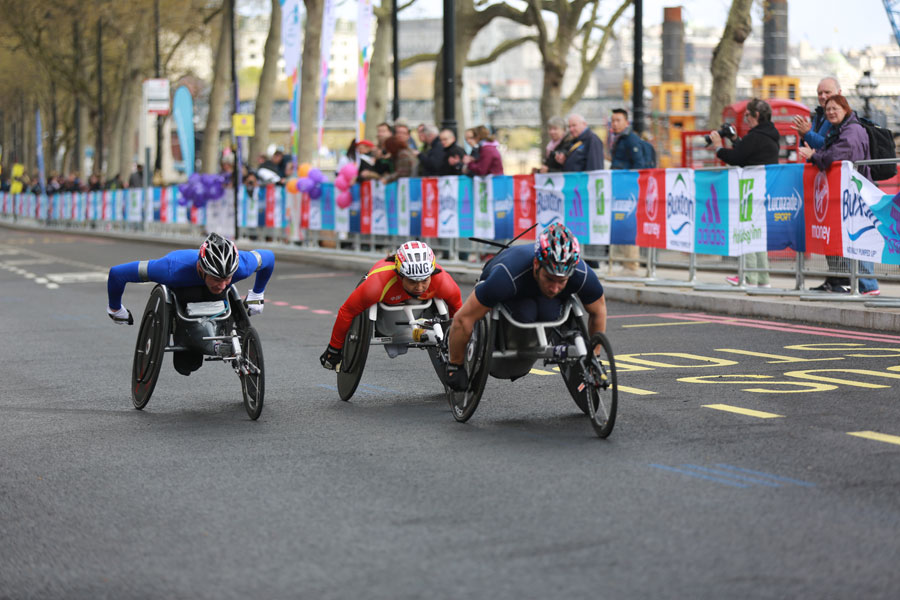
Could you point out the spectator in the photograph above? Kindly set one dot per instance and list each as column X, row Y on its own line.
column 280, row 163
column 815, row 130
column 758, row 147
column 846, row 139
column 115, row 183
column 471, row 142
column 488, row 161
column 269, row 172
column 452, row 163
column 625, row 150
column 402, row 129
column 431, row 161
column 368, row 169
column 560, row 140
column 403, row 159
column 349, row 157
column 250, row 182
column 94, row 184
column 383, row 132
column 136, row 180
column 586, row 151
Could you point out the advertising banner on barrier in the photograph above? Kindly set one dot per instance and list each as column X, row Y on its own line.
column 390, row 200
column 680, row 210
column 523, row 205
column 483, row 221
column 625, row 192
column 822, row 209
column 403, row 207
column 503, row 197
column 365, row 207
column 466, row 207
column 379, row 220
column 599, row 189
column 784, row 207
column 354, row 218
column 886, row 213
column 326, row 207
column 415, row 207
column 747, row 216
column 430, row 207
column 711, row 216
column 651, row 210
column 575, row 198
column 860, row 236
column 549, row 200
column 448, row 207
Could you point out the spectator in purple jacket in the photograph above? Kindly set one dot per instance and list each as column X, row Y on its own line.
column 488, row 161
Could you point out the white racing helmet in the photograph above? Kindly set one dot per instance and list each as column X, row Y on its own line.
column 415, row 260
column 218, row 256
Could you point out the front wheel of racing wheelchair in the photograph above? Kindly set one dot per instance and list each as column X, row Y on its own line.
column 477, row 362
column 236, row 342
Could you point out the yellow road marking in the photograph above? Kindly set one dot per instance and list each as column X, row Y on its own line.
column 878, row 437
column 778, row 358
column 634, row 390
column 807, row 375
column 704, row 361
column 665, row 324
column 743, row 411
column 540, row 372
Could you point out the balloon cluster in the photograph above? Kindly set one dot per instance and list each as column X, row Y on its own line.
column 346, row 177
column 310, row 181
column 200, row 188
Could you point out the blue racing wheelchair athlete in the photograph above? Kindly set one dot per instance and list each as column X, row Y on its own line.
column 538, row 298
column 195, row 300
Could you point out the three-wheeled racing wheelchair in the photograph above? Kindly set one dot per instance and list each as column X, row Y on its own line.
column 220, row 330
column 504, row 348
column 398, row 327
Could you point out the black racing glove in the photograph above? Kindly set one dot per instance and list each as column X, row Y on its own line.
column 457, row 378
column 331, row 358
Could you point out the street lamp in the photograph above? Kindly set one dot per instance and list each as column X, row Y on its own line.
column 865, row 89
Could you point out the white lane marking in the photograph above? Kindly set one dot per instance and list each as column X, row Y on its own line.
column 85, row 277
column 52, row 286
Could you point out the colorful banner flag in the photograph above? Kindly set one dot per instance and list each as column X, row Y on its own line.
column 822, row 209
column 680, row 209
column 784, row 207
column 291, row 36
column 365, row 207
column 599, row 190
column 415, row 208
column 651, row 212
column 390, row 200
column 524, row 214
column 403, row 207
column 548, row 199
column 886, row 212
column 379, row 208
column 747, row 210
column 430, row 207
column 625, row 190
column 364, row 19
column 859, row 226
column 466, row 208
column 503, row 195
column 483, row 220
column 577, row 215
column 711, row 216
column 329, row 18
column 448, row 207
column 327, row 206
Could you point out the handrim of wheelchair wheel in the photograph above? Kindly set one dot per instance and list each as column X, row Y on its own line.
column 601, row 383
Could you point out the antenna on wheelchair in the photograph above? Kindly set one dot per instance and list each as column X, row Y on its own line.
column 498, row 244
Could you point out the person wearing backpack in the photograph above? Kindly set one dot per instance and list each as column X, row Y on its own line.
column 846, row 139
column 625, row 151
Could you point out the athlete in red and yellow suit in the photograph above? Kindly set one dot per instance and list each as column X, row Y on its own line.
column 383, row 284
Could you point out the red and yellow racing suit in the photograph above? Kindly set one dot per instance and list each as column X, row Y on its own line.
column 382, row 284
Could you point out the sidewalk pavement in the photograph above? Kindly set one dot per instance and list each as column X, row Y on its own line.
column 710, row 293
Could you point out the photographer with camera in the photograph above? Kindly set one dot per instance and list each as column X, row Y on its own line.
column 758, row 147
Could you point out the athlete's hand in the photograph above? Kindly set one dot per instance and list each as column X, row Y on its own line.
column 457, row 378
column 331, row 358
column 121, row 316
column 255, row 303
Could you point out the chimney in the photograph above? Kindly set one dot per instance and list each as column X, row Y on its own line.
column 672, row 45
column 775, row 38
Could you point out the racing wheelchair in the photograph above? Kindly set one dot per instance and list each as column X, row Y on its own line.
column 220, row 329
column 505, row 348
column 380, row 325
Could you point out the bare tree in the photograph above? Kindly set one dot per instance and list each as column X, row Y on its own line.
column 265, row 97
column 727, row 57
column 309, row 74
column 217, row 94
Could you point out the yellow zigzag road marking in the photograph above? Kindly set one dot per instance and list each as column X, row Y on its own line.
column 743, row 411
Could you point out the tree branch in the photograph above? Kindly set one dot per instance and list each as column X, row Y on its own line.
column 500, row 50
column 419, row 58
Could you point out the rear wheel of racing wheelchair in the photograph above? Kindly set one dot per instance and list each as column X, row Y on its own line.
column 153, row 335
column 478, row 364
column 356, row 350
column 252, row 373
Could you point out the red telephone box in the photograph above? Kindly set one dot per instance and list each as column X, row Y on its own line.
column 695, row 153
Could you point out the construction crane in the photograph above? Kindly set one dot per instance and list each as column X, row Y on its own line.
column 893, row 12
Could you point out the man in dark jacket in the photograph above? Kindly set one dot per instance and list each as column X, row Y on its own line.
column 586, row 151
column 759, row 147
column 814, row 130
column 430, row 162
column 626, row 149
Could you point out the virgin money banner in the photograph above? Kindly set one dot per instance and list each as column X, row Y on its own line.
column 862, row 239
column 575, row 209
column 711, row 218
column 448, row 207
column 625, row 192
column 365, row 207
column 599, row 190
column 523, row 205
column 379, row 208
column 680, row 209
column 503, row 195
column 651, row 211
column 784, row 207
column 747, row 210
column 549, row 200
column 483, row 220
column 822, row 209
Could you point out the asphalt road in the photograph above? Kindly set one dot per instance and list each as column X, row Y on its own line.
column 736, row 469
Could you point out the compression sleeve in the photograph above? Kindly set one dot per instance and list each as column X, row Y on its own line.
column 265, row 269
column 365, row 295
column 118, row 277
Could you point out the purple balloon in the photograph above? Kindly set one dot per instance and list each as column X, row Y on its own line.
column 186, row 196
column 305, row 184
column 316, row 192
column 316, row 175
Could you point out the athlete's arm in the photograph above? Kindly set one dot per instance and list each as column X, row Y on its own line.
column 263, row 263
column 463, row 323
column 447, row 290
column 365, row 295
column 597, row 315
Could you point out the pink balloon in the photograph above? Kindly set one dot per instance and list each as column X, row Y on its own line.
column 341, row 182
column 344, row 199
column 349, row 171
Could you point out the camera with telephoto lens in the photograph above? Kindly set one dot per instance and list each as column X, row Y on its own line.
column 727, row 130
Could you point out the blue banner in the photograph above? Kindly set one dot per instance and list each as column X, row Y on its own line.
column 466, row 208
column 785, row 222
column 328, row 207
column 390, row 200
column 576, row 209
column 355, row 208
column 183, row 115
column 711, row 219
column 625, row 193
column 503, row 207
column 415, row 207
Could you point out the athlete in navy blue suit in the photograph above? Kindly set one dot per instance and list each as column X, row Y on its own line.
column 532, row 282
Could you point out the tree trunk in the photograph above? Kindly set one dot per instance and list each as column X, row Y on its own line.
column 379, row 70
column 128, row 117
column 726, row 59
column 309, row 89
column 209, row 153
column 266, row 95
column 551, row 95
